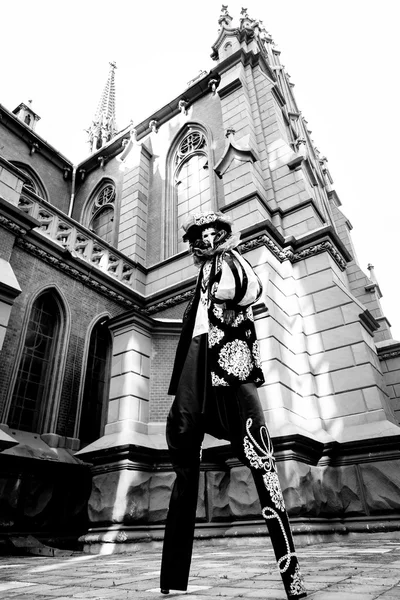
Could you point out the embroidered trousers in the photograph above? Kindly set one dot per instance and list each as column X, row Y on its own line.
column 234, row 414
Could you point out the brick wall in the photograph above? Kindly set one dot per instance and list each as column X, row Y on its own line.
column 82, row 305
column 163, row 355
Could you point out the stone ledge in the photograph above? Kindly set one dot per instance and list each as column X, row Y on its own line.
column 119, row 539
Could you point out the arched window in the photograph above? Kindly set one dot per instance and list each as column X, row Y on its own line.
column 36, row 369
column 101, row 211
column 95, row 394
column 34, row 183
column 190, row 184
column 28, row 119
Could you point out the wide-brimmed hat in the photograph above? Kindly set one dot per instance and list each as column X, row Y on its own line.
column 198, row 221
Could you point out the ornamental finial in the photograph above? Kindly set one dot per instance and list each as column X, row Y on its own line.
column 225, row 18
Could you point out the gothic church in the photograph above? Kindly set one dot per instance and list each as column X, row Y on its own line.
column 94, row 280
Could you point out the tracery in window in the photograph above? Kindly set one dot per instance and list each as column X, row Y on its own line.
column 36, row 369
column 102, row 212
column 191, row 186
column 95, row 393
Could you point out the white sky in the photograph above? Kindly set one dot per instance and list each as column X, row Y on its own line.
column 342, row 56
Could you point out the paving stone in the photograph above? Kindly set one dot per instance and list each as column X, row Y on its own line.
column 362, row 569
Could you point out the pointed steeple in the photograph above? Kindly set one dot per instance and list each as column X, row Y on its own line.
column 104, row 127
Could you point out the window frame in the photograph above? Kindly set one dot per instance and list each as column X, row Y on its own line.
column 106, row 392
column 91, row 212
column 59, row 357
column 170, row 231
column 40, row 189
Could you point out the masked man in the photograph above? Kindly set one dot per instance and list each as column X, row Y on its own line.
column 216, row 374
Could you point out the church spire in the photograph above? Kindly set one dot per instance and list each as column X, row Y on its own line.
column 103, row 127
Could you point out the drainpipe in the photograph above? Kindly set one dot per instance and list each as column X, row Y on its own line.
column 71, row 202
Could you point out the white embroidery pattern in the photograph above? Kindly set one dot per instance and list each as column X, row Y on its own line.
column 249, row 313
column 270, row 513
column 239, row 319
column 218, row 381
column 256, row 354
column 235, row 358
column 297, row 586
column 266, row 461
column 215, row 335
column 272, row 484
column 218, row 312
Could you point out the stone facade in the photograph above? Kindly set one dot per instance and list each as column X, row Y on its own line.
column 235, row 141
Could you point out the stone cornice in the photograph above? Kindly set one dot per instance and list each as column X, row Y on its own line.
column 325, row 246
column 389, row 355
column 279, row 251
column 170, row 302
column 262, row 234
column 288, row 253
column 82, row 272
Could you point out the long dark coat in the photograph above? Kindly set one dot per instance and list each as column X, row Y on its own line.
column 232, row 350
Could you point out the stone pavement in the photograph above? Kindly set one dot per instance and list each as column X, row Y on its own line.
column 357, row 569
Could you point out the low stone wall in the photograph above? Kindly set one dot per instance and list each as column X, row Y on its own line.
column 348, row 489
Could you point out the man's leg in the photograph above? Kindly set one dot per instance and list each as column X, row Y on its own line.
column 185, row 432
column 179, row 529
column 253, row 447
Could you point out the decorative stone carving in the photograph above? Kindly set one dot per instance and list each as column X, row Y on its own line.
column 391, row 354
column 213, row 84
column 178, row 299
column 225, row 18
column 318, row 248
column 153, row 125
column 34, row 148
column 11, row 226
column 182, row 105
